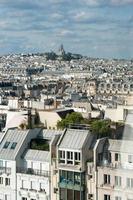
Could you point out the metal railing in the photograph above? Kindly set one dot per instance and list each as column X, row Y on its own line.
column 33, row 172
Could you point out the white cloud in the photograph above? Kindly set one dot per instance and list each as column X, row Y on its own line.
column 65, row 32
column 83, row 16
column 121, row 2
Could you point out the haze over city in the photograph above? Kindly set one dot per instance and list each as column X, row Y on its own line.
column 96, row 28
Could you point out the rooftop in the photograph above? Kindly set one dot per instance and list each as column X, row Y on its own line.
column 74, row 139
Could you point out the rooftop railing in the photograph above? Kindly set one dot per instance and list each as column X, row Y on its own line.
column 32, row 171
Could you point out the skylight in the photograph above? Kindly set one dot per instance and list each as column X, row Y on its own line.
column 13, row 145
column 6, row 145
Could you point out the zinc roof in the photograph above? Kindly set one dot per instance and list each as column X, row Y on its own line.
column 49, row 134
column 123, row 146
column 15, row 135
column 37, row 155
column 74, row 139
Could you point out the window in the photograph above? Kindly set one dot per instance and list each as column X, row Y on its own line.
column 1, row 180
column 42, row 186
column 117, row 181
column 33, row 185
column 1, row 163
column 130, row 182
column 77, row 156
column 106, row 179
column 117, row 157
column 62, row 156
column 13, row 145
column 24, row 198
column 69, row 157
column 24, row 184
column 77, row 178
column 130, row 158
column 6, row 145
column 7, row 181
column 118, row 198
column 106, row 197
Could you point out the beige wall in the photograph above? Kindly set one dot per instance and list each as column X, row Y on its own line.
column 49, row 119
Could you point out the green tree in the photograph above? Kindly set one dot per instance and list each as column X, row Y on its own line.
column 37, row 118
column 73, row 118
column 101, row 128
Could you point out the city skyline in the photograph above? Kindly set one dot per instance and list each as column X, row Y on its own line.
column 90, row 27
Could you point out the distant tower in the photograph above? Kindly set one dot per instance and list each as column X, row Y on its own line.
column 61, row 50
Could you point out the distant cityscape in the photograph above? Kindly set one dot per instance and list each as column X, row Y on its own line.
column 66, row 127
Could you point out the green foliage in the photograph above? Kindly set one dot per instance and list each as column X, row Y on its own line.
column 22, row 126
column 101, row 128
column 39, row 144
column 37, row 118
column 73, row 118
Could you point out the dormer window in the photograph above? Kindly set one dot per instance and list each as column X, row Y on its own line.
column 6, row 145
column 13, row 145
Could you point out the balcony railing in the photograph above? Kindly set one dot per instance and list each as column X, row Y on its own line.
column 33, row 172
column 71, row 185
column 117, row 165
column 5, row 170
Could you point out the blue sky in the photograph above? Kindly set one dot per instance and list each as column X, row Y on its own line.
column 97, row 28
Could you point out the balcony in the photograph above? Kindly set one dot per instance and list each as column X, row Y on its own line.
column 70, row 185
column 117, row 165
column 5, row 170
column 31, row 171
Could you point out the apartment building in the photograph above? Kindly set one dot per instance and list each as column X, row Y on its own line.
column 73, row 150
column 72, row 165
column 24, row 172
column 111, row 173
column 115, row 88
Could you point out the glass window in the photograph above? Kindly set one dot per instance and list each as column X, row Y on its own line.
column 69, row 155
column 77, row 178
column 77, row 156
column 13, row 145
column 24, row 198
column 117, row 157
column 1, row 180
column 117, row 181
column 130, row 182
column 62, row 154
column 6, row 145
column 106, row 179
column 7, row 181
column 106, row 197
column 70, row 176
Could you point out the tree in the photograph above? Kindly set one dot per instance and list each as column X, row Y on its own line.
column 37, row 118
column 73, row 118
column 101, row 128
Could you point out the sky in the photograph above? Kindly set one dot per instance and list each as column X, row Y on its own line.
column 96, row 28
